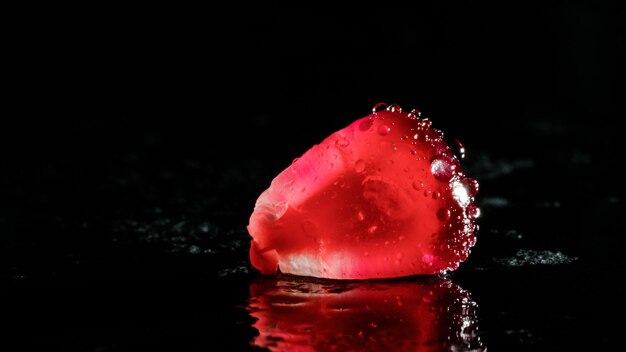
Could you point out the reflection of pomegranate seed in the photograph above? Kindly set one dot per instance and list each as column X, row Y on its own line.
column 294, row 314
column 387, row 185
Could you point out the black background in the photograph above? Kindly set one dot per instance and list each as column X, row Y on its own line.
column 135, row 141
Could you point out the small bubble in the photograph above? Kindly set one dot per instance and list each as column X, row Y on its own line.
column 436, row 195
column 415, row 113
column 383, row 130
column 427, row 193
column 418, row 186
column 359, row 166
column 394, row 108
column 442, row 168
column 379, row 107
column 426, row 123
column 416, row 136
column 473, row 211
column 413, row 152
column 444, row 214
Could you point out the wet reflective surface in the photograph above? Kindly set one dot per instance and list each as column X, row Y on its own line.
column 296, row 314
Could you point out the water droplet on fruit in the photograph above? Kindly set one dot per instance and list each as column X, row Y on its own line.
column 442, row 168
column 394, row 108
column 359, row 166
column 416, row 136
column 404, row 138
column 383, row 130
column 366, row 124
column 471, row 185
column 417, row 185
column 436, row 195
column 427, row 193
column 473, row 211
column 379, row 107
column 413, row 152
column 459, row 192
column 415, row 113
column 443, row 214
column 294, row 160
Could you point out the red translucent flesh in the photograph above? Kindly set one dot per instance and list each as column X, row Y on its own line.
column 382, row 316
column 383, row 197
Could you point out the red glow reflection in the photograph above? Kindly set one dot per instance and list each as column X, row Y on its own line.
column 297, row 314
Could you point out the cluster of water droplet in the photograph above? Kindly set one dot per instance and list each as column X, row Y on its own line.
column 459, row 217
